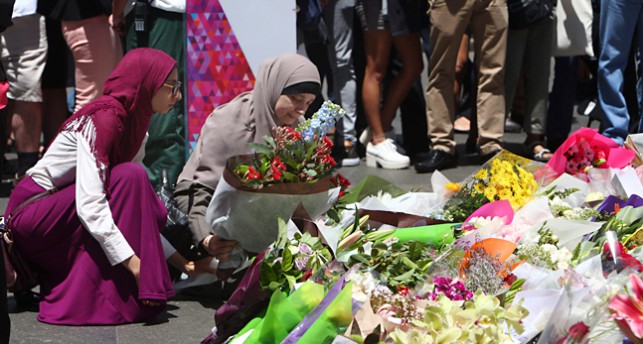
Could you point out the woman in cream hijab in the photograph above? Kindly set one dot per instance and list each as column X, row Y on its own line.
column 285, row 87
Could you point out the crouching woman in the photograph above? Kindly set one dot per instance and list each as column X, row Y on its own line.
column 86, row 214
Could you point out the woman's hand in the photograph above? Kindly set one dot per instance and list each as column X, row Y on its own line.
column 117, row 18
column 117, row 23
column 133, row 265
column 202, row 266
column 219, row 247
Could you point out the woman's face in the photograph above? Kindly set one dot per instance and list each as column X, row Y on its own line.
column 291, row 106
column 168, row 94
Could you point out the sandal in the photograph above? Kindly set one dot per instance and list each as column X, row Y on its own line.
column 543, row 155
column 537, row 151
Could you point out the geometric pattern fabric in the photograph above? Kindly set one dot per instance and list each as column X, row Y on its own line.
column 217, row 69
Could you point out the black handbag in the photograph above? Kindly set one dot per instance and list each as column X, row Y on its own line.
column 523, row 13
column 20, row 273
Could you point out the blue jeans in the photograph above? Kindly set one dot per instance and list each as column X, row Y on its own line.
column 339, row 20
column 618, row 21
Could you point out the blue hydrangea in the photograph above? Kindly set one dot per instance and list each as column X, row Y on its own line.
column 322, row 121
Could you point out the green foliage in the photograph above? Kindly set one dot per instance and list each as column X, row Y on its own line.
column 291, row 260
column 399, row 264
column 370, row 186
column 516, row 286
column 562, row 194
column 459, row 207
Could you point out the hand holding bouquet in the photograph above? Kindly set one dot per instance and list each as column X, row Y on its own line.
column 290, row 172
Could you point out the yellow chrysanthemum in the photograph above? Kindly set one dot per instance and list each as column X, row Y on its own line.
column 490, row 193
column 482, row 174
column 505, row 194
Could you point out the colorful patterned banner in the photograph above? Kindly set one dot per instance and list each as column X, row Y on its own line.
column 217, row 69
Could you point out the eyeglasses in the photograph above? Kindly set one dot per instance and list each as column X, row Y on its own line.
column 176, row 87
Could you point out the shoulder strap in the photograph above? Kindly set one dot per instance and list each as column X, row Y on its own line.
column 27, row 202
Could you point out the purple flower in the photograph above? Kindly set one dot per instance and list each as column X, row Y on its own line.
column 300, row 263
column 442, row 281
column 455, row 291
column 305, row 249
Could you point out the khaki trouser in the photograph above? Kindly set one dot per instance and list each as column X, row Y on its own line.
column 487, row 20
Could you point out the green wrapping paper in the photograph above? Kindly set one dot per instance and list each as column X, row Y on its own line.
column 285, row 312
column 436, row 235
column 333, row 321
column 251, row 325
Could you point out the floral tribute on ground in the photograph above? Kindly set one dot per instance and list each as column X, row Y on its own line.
column 519, row 252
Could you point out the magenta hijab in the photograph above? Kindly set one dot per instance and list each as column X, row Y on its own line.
column 122, row 115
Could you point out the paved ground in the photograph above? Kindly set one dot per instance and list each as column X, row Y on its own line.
column 188, row 319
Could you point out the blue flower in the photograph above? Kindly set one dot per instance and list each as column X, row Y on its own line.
column 321, row 122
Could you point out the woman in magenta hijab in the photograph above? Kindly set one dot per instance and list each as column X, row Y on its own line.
column 87, row 216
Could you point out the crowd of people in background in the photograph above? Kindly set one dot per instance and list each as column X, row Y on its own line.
column 502, row 85
column 370, row 55
column 55, row 46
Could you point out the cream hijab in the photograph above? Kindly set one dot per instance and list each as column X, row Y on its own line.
column 247, row 118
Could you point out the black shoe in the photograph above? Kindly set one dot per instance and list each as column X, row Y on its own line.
column 349, row 158
column 27, row 300
column 485, row 157
column 437, row 160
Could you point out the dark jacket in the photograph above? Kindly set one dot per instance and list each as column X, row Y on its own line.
column 74, row 9
column 6, row 10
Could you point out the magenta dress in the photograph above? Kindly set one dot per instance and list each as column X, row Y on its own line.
column 78, row 284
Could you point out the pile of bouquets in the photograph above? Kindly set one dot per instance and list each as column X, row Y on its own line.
column 517, row 252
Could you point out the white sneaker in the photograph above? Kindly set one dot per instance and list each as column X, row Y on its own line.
column 385, row 155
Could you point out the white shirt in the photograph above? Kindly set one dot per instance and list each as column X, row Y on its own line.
column 69, row 159
column 177, row 6
column 24, row 8
column 170, row 5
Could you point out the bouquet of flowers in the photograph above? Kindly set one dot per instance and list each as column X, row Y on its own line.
column 292, row 261
column 502, row 180
column 300, row 155
column 586, row 148
column 288, row 176
column 505, row 177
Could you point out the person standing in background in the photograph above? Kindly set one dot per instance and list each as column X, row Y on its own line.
column 57, row 76
column 24, row 54
column 95, row 47
column 339, row 15
column 164, row 29
column 620, row 22
column 529, row 50
column 388, row 23
column 488, row 20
